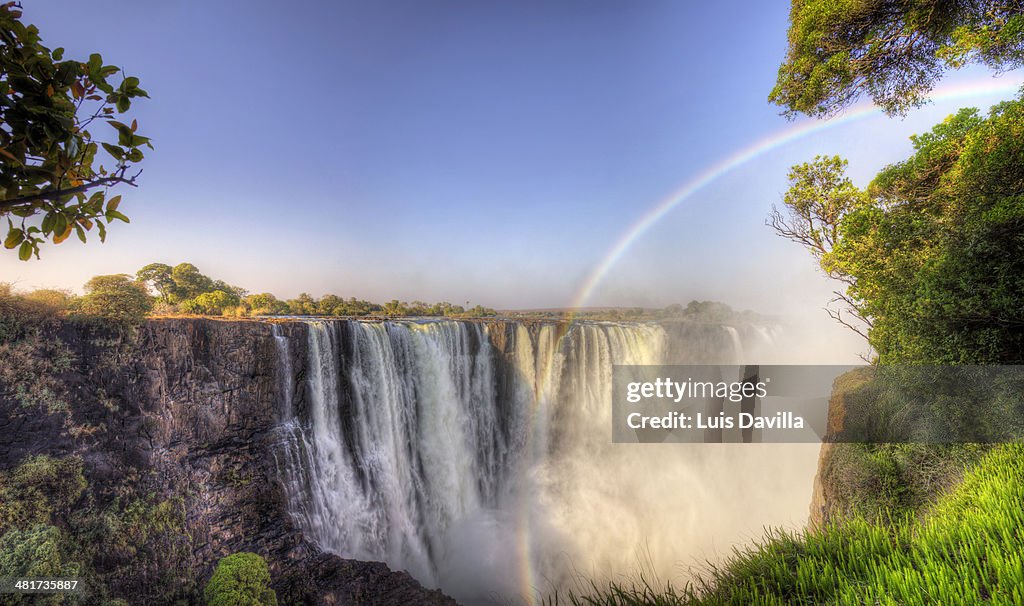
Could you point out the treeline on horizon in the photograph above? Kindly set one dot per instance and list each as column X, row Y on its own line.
column 159, row 289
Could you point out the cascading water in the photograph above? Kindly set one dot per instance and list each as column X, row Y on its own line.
column 489, row 471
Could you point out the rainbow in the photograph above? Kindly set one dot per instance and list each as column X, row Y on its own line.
column 968, row 90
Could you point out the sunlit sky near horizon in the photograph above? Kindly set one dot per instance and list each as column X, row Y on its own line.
column 458, row 150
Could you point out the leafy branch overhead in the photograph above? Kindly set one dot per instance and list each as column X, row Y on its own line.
column 892, row 51
column 55, row 116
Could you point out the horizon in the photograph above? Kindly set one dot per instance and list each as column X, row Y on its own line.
column 496, row 154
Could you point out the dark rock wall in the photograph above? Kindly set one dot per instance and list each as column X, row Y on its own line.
column 189, row 408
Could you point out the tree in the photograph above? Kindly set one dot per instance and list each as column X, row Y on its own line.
column 932, row 252
column 159, row 277
column 214, row 303
column 305, row 305
column 189, row 282
column 117, row 297
column 240, row 579
column 819, row 197
column 893, row 51
column 264, row 304
column 53, row 180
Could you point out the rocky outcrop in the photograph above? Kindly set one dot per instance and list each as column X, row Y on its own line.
column 190, row 409
column 828, row 500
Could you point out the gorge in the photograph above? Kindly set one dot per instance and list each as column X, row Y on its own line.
column 475, row 455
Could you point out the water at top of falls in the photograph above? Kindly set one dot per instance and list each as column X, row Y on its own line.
column 284, row 360
column 488, row 473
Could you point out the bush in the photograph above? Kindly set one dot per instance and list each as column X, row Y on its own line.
column 116, row 297
column 39, row 551
column 32, row 492
column 55, row 300
column 241, row 579
column 214, row 303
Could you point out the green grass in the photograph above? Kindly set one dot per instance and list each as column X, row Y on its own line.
column 966, row 550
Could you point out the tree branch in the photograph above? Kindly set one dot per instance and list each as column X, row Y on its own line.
column 6, row 205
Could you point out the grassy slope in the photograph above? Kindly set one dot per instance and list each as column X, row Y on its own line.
column 967, row 550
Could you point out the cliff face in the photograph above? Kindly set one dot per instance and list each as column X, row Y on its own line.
column 180, row 426
column 188, row 409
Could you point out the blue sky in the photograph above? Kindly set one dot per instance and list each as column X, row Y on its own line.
column 459, row 150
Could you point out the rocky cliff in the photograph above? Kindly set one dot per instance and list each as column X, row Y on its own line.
column 181, row 411
column 178, row 429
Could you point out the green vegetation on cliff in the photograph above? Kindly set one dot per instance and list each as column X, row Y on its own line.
column 52, row 523
column 241, row 579
column 967, row 550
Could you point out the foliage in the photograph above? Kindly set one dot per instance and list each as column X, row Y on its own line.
column 187, row 288
column 31, row 358
column 34, row 498
column 38, row 489
column 968, row 550
column 264, row 304
column 132, row 546
column 241, row 579
column 214, row 303
column 54, row 299
column 886, row 482
column 640, row 592
column 137, row 546
column 158, row 276
column 189, row 282
column 52, row 177
column 117, row 297
column 37, row 551
column 893, row 51
column 932, row 252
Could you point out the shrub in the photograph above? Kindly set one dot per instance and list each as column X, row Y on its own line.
column 116, row 297
column 39, row 551
column 32, row 492
column 241, row 579
column 55, row 300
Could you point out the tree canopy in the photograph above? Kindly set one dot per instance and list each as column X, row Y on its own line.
column 893, row 51
column 117, row 297
column 931, row 253
column 61, row 150
column 241, row 579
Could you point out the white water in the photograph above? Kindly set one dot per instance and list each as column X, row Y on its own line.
column 493, row 476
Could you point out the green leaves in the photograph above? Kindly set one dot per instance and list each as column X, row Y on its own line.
column 840, row 51
column 14, row 238
column 113, row 214
column 52, row 175
column 932, row 253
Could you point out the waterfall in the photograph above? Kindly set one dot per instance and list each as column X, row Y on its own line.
column 284, row 358
column 737, row 343
column 489, row 473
